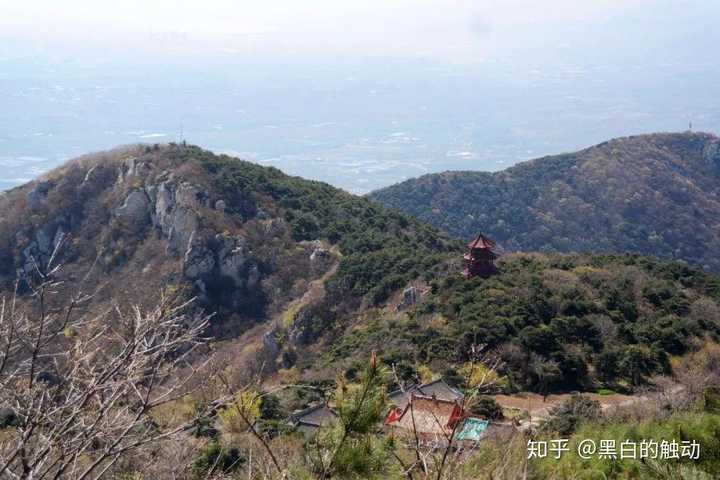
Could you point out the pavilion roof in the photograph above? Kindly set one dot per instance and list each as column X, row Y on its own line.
column 481, row 241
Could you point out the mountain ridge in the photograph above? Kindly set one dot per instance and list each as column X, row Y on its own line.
column 244, row 239
column 652, row 194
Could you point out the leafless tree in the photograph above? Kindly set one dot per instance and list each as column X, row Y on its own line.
column 78, row 390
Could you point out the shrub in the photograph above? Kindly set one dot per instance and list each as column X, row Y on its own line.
column 215, row 457
column 569, row 414
column 488, row 408
column 8, row 418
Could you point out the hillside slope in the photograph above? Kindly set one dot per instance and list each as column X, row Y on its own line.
column 246, row 240
column 305, row 277
column 651, row 194
column 307, row 283
column 559, row 322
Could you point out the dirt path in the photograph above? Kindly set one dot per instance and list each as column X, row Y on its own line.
column 539, row 410
column 315, row 291
column 246, row 345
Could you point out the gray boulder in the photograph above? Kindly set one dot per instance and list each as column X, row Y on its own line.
column 43, row 245
column 232, row 257
column 409, row 298
column 175, row 214
column 198, row 262
column 135, row 208
column 319, row 255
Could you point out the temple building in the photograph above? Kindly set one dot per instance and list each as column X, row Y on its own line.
column 480, row 259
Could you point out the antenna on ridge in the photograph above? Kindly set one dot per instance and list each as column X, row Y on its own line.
column 182, row 133
column 690, row 126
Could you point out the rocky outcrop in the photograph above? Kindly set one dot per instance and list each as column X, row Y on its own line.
column 232, row 256
column 220, row 263
column 136, row 208
column 225, row 263
column 310, row 323
column 275, row 227
column 42, row 245
column 271, row 345
column 171, row 207
column 133, row 167
column 319, row 254
column 176, row 213
column 198, row 263
column 409, row 298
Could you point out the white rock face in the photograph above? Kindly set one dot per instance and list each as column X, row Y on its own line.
column 319, row 254
column 175, row 214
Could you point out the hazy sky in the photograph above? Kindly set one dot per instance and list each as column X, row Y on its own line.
column 454, row 29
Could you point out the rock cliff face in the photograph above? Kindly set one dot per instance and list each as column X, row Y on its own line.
column 175, row 213
column 143, row 203
column 42, row 244
column 220, row 266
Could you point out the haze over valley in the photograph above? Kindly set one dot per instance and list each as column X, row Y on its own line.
column 359, row 115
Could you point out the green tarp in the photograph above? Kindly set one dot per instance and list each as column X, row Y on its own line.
column 472, row 429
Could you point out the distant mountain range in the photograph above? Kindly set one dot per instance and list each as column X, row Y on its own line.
column 651, row 194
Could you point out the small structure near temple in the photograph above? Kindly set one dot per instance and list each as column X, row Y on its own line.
column 310, row 420
column 436, row 389
column 480, row 259
column 435, row 422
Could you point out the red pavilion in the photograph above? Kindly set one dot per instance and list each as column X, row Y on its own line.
column 480, row 259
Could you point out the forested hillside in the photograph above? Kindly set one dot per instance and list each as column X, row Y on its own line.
column 650, row 194
column 169, row 313
column 558, row 322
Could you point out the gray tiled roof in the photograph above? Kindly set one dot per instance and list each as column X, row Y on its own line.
column 437, row 388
